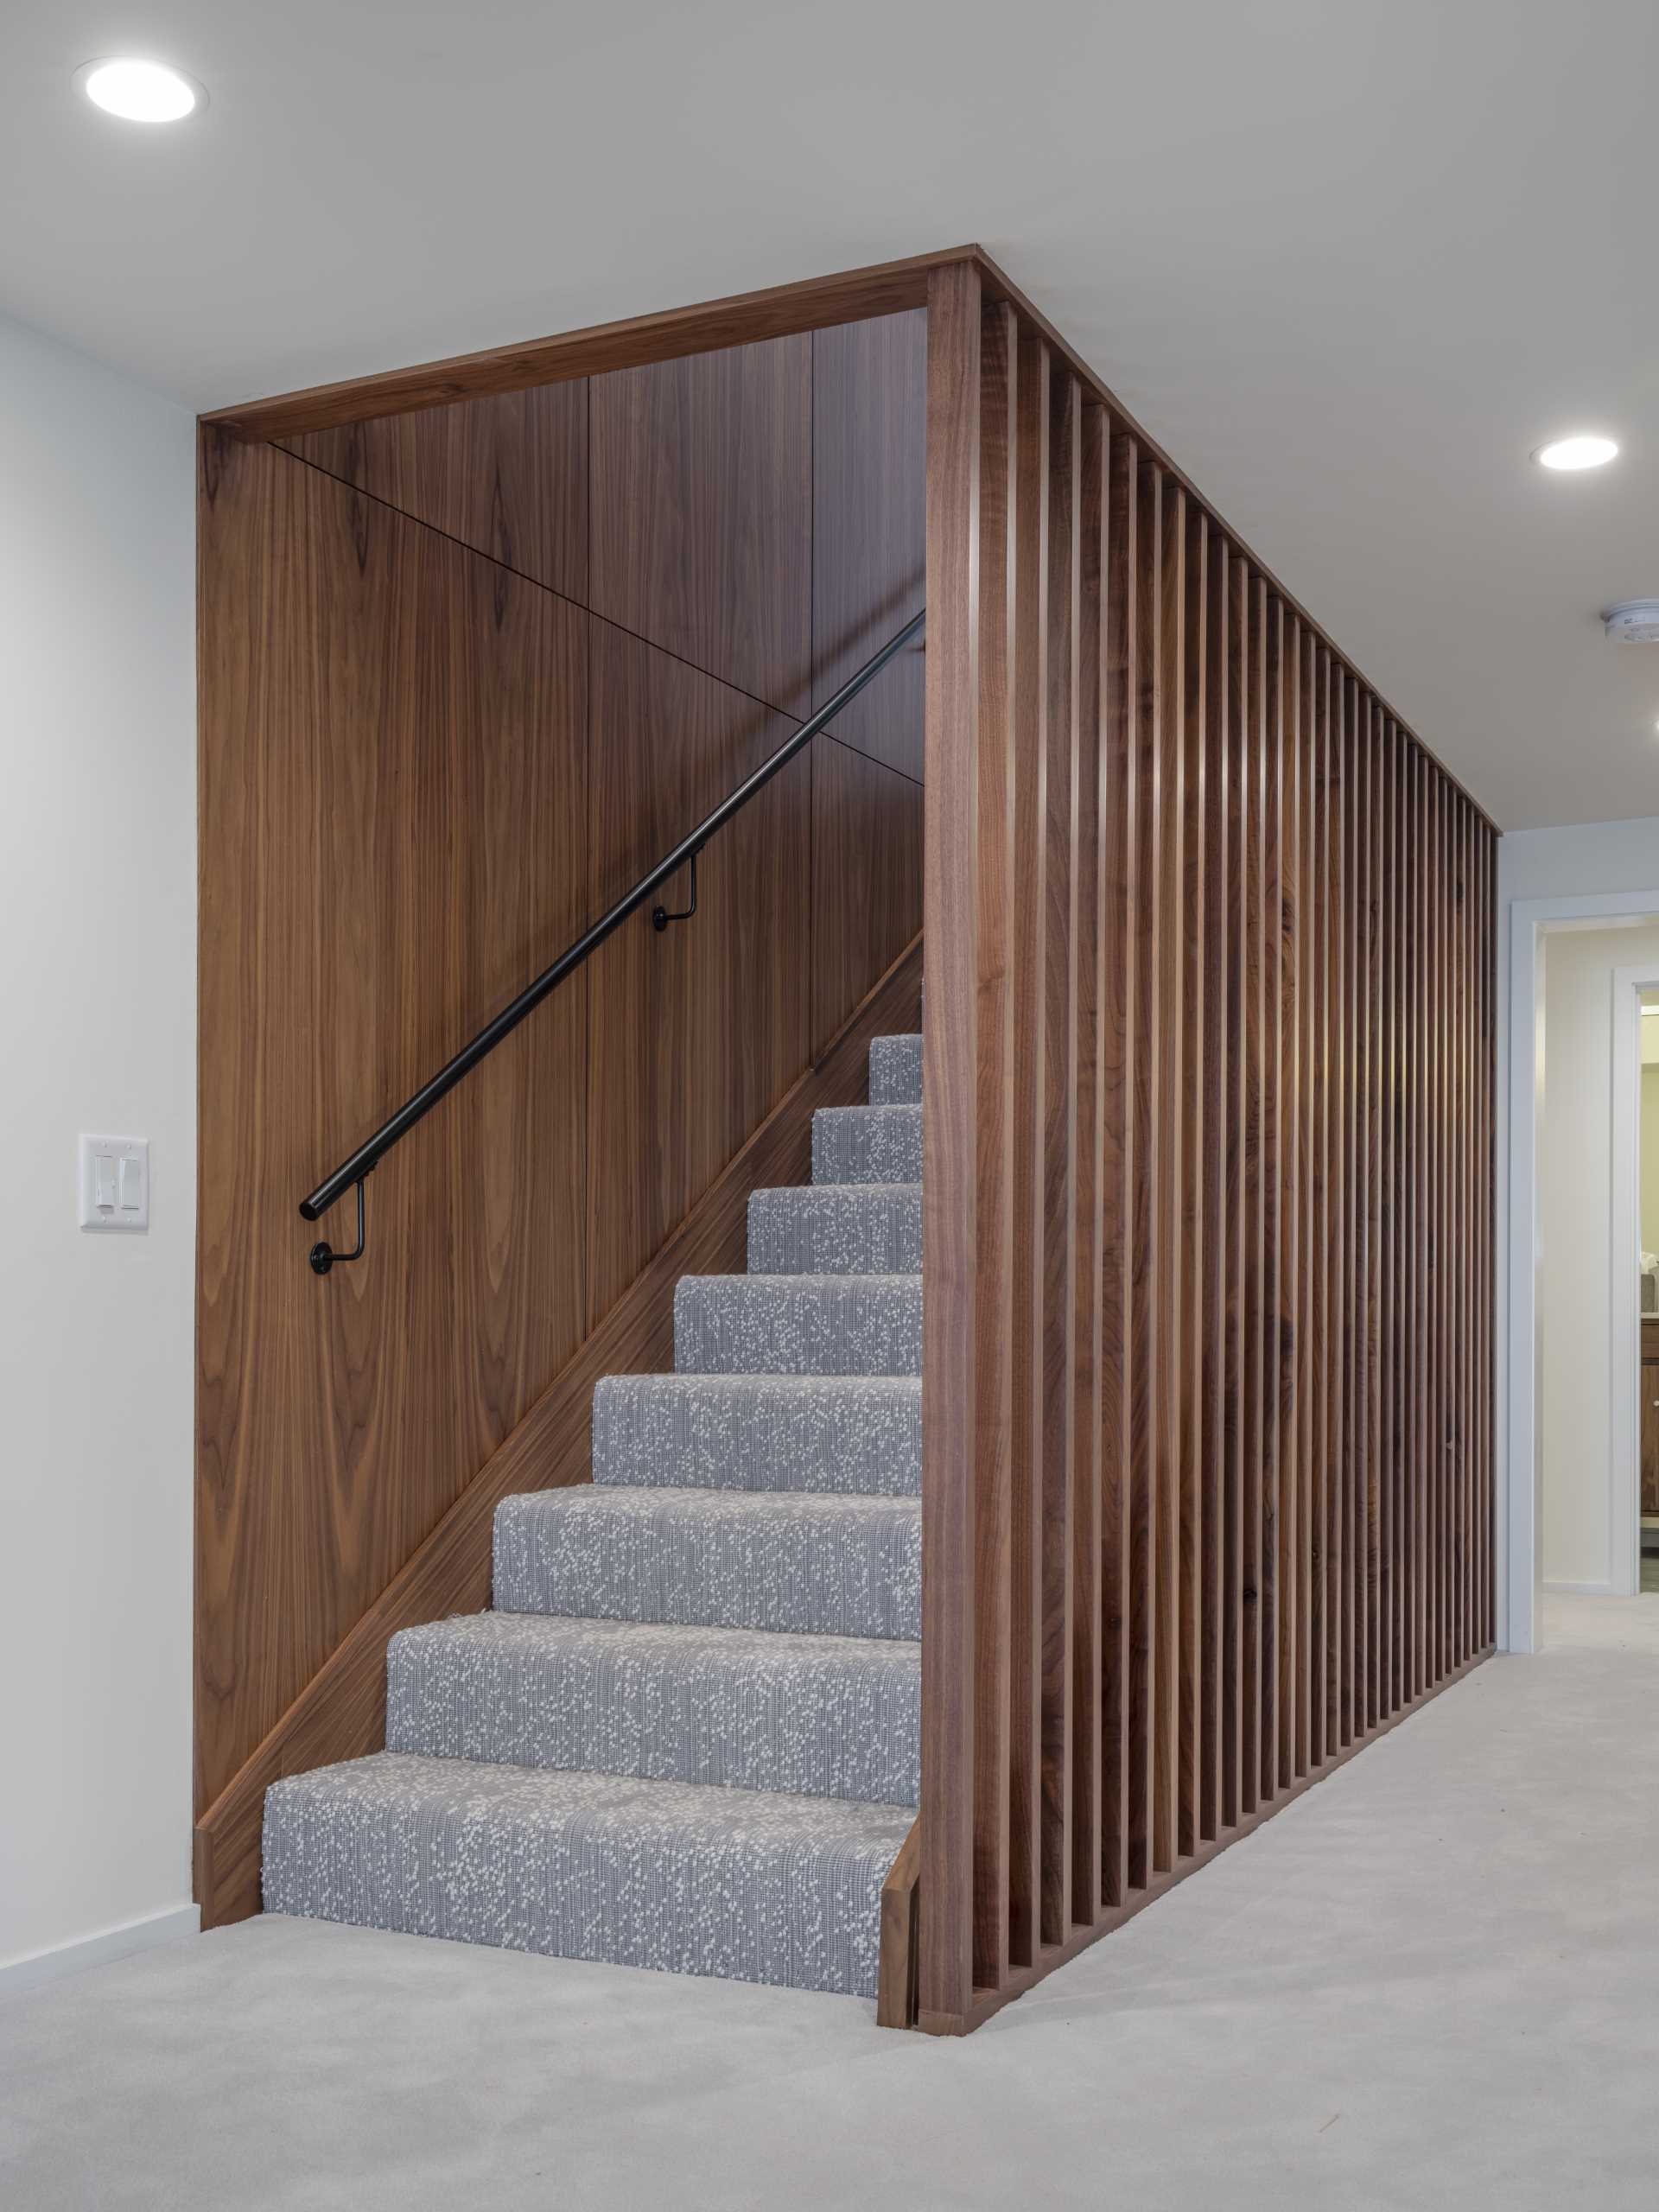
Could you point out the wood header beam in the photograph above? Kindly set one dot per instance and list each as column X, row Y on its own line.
column 745, row 318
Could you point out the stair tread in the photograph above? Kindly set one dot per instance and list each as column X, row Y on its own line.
column 896, row 1069
column 865, row 1144
column 755, row 1885
column 695, row 1807
column 759, row 1505
column 786, row 1652
column 847, row 1435
column 808, row 1562
column 750, row 1708
column 862, row 1229
column 805, row 1324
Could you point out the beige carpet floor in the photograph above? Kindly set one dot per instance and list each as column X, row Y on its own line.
column 1432, row 1982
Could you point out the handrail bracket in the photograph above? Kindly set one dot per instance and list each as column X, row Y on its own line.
column 660, row 917
column 323, row 1255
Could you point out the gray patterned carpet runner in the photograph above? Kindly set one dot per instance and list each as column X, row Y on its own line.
column 688, row 1734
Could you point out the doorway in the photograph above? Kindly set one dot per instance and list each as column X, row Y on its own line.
column 1635, row 1137
column 1593, row 1396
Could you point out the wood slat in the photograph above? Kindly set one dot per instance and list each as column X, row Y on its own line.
column 1088, row 1548
column 1233, row 999
column 1190, row 1197
column 1120, row 1295
column 1213, row 1287
column 993, row 1280
column 950, row 1053
column 1058, row 927
column 1168, row 1596
column 1030, row 683
column 1146, row 1326
column 1238, row 1282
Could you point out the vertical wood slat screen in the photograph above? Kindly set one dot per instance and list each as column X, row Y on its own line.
column 1208, row 1064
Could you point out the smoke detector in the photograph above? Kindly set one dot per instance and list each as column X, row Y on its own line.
column 1634, row 622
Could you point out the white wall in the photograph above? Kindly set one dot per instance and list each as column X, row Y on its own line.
column 1575, row 1172
column 97, row 900
column 1615, row 865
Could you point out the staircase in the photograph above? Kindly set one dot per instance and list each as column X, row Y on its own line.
column 687, row 1735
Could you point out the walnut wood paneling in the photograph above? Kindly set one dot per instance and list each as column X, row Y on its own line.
column 869, row 539
column 367, row 685
column 413, row 797
column 866, row 877
column 506, row 475
column 341, row 1713
column 1227, row 1519
column 697, row 1031
column 702, row 521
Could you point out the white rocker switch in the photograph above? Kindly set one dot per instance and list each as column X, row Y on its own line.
column 113, row 1186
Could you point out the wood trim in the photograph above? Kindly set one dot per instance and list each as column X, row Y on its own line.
column 951, row 1062
column 896, row 1983
column 742, row 319
column 341, row 1713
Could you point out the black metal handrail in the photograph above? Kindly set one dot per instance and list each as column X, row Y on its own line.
column 369, row 1154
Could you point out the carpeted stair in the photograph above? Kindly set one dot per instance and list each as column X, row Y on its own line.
column 689, row 1735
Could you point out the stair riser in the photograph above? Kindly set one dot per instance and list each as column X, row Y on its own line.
column 802, row 1573
column 857, row 1435
column 733, row 1324
column 847, row 1727
column 487, row 1867
column 836, row 1231
column 896, row 1071
column 866, row 1144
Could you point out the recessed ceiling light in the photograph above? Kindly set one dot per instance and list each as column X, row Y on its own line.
column 140, row 91
column 1580, row 452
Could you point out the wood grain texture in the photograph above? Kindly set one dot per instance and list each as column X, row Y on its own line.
column 951, row 1049
column 1145, row 1317
column 365, row 685
column 1058, row 941
column 341, row 1713
column 1085, row 1658
column 1031, row 490
column 1226, row 1507
column 1214, row 825
column 506, row 475
column 1119, row 1343
column 776, row 311
column 993, row 1109
column 1173, row 1401
column 869, row 541
column 867, row 877
column 898, row 1991
column 697, row 1031
column 741, row 319
column 702, row 526
column 424, row 769
column 1192, row 1413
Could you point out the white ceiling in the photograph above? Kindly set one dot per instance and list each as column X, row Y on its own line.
column 1348, row 262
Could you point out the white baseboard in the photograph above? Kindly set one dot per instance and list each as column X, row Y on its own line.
column 1578, row 1589
column 99, row 1949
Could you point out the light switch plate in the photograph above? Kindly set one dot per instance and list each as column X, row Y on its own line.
column 114, row 1185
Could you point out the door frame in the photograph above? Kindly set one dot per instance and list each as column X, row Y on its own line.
column 1624, row 1378
column 1520, row 1494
